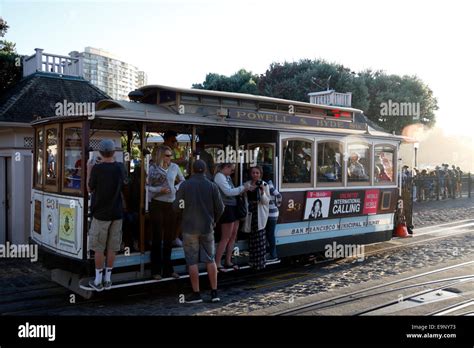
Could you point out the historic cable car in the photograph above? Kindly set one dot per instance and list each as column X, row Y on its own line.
column 337, row 175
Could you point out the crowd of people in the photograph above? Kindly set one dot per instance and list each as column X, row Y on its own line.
column 187, row 210
column 444, row 181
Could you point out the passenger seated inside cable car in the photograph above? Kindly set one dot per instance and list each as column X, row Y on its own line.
column 356, row 170
column 297, row 162
column 329, row 162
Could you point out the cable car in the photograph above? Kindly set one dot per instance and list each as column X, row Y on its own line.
column 338, row 176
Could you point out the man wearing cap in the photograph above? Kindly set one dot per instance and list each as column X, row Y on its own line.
column 201, row 204
column 106, row 181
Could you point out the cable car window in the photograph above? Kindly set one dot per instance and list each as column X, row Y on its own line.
column 358, row 165
column 72, row 158
column 297, row 159
column 264, row 158
column 230, row 102
column 39, row 156
column 383, row 164
column 51, row 156
column 190, row 98
column 248, row 104
column 210, row 100
column 330, row 160
column 167, row 96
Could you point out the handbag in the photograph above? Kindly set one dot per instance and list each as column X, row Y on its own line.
column 241, row 207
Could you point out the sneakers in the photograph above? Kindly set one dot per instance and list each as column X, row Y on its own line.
column 107, row 285
column 156, row 276
column 97, row 287
column 195, row 297
column 214, row 297
column 273, row 259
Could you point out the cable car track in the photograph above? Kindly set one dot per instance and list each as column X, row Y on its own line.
column 346, row 298
column 54, row 296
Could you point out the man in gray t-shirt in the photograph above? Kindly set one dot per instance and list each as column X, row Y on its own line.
column 202, row 206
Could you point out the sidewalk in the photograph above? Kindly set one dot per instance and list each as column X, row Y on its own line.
column 448, row 210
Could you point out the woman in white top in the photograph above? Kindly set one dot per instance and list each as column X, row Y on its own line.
column 162, row 176
column 258, row 202
column 229, row 220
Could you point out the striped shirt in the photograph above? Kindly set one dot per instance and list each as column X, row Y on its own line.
column 275, row 202
column 159, row 178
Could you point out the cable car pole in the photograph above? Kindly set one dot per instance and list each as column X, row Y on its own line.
column 142, row 197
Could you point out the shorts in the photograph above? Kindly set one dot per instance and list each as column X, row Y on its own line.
column 198, row 248
column 105, row 235
column 229, row 215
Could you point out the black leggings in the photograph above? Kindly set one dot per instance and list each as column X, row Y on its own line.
column 164, row 223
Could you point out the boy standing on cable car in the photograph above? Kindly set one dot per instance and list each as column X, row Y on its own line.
column 106, row 181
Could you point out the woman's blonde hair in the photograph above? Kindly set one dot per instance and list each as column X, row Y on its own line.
column 159, row 153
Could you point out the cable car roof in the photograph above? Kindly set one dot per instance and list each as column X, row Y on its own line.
column 245, row 96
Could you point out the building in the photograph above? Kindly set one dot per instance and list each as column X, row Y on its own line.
column 48, row 79
column 112, row 75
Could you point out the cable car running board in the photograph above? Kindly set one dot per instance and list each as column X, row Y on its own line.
column 153, row 281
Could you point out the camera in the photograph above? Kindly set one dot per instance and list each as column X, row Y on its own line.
column 260, row 183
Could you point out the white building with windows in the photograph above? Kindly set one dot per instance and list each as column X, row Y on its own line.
column 110, row 74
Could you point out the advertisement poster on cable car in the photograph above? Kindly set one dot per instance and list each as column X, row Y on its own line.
column 317, row 205
column 370, row 202
column 67, row 224
column 346, row 203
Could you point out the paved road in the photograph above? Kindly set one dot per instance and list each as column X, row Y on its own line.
column 247, row 294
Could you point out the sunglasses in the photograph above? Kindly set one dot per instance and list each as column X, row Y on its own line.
column 168, row 155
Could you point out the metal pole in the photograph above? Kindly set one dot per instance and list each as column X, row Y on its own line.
column 193, row 150
column 241, row 168
column 416, row 162
column 142, row 195
column 469, row 184
column 86, row 125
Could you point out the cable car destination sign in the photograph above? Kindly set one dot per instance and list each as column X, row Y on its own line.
column 287, row 118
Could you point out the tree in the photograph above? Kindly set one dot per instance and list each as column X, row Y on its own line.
column 384, row 89
column 294, row 80
column 241, row 82
column 10, row 61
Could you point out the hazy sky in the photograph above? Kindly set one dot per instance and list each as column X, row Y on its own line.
column 178, row 42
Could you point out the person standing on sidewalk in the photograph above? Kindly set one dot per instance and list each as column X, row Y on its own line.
column 106, row 182
column 202, row 206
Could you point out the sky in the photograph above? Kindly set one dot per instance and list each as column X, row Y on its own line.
column 177, row 42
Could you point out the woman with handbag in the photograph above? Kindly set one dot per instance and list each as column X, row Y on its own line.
column 258, row 203
column 230, row 218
